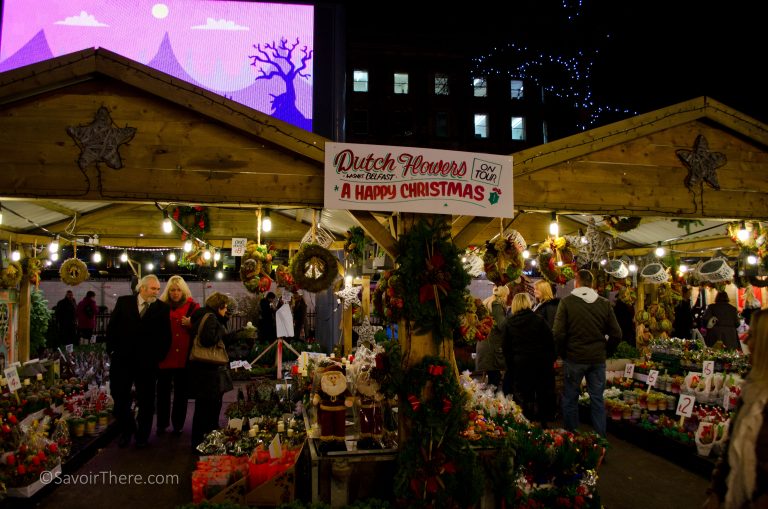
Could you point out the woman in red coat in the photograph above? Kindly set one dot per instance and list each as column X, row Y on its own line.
column 172, row 373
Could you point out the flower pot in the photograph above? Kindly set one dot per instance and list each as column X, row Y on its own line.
column 653, row 406
column 90, row 426
column 78, row 428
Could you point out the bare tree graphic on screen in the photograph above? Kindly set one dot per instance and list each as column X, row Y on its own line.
column 277, row 60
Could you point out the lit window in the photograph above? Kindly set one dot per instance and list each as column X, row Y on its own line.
column 481, row 125
column 480, row 86
column 518, row 128
column 401, row 83
column 360, row 81
column 516, row 89
column 441, row 84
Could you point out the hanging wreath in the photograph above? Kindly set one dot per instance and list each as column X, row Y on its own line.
column 32, row 267
column 388, row 299
column 10, row 276
column 503, row 258
column 255, row 267
column 314, row 268
column 556, row 262
column 285, row 279
column 354, row 246
column 73, row 272
column 193, row 219
column 433, row 278
column 621, row 224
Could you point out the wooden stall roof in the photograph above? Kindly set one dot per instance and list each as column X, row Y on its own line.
column 196, row 147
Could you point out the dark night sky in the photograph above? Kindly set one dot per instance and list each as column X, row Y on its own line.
column 652, row 54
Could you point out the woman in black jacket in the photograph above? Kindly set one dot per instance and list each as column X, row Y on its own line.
column 547, row 303
column 208, row 382
column 529, row 351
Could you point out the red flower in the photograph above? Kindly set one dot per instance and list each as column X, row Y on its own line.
column 447, row 405
column 415, row 403
column 53, row 448
column 21, row 470
column 435, row 370
column 201, row 224
column 10, row 459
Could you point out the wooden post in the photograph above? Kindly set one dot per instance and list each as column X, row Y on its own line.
column 366, row 300
column 25, row 309
column 346, row 330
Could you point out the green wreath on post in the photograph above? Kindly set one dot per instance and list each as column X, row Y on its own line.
column 314, row 268
column 10, row 276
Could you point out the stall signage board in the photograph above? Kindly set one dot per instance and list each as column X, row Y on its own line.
column 238, row 246
column 409, row 179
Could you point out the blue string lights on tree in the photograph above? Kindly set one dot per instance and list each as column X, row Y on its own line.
column 564, row 77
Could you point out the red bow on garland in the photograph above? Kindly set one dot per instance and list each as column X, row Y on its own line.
column 437, row 281
column 415, row 403
column 447, row 405
column 427, row 479
column 435, row 370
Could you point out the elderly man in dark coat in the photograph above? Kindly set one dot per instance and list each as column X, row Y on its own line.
column 138, row 338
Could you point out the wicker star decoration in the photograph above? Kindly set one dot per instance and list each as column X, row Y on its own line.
column 100, row 140
column 349, row 296
column 701, row 163
column 366, row 331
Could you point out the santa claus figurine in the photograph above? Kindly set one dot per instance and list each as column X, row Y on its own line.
column 332, row 401
column 370, row 411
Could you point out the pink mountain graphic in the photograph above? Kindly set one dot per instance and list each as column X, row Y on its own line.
column 35, row 50
column 165, row 60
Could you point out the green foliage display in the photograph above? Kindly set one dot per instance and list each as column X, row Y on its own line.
column 39, row 317
column 433, row 278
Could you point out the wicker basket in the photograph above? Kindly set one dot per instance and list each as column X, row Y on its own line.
column 715, row 270
column 654, row 273
column 617, row 269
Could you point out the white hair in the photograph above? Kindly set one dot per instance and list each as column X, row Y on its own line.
column 145, row 280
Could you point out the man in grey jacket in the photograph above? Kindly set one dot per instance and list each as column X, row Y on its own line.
column 584, row 322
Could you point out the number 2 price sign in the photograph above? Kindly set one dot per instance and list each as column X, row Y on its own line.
column 685, row 406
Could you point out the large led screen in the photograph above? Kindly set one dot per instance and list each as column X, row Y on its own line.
column 257, row 54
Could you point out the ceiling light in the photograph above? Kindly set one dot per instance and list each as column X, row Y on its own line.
column 167, row 225
column 533, row 263
column 632, row 267
column 150, row 266
column 54, row 257
column 96, row 257
column 526, row 254
column 752, row 260
column 266, row 223
column 207, row 255
column 15, row 255
column 219, row 275
column 554, row 229
column 48, row 263
column 124, row 257
column 742, row 234
column 188, row 246
column 216, row 256
column 172, row 256
column 53, row 247
column 683, row 269
column 603, row 261
column 660, row 251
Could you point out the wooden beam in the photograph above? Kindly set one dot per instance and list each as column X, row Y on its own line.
column 56, row 207
column 91, row 217
column 376, row 231
column 466, row 236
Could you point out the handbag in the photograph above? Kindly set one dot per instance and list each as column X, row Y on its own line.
column 216, row 354
column 711, row 322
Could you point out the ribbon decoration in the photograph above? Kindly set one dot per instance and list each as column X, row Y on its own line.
column 447, row 405
column 435, row 370
column 415, row 403
column 437, row 282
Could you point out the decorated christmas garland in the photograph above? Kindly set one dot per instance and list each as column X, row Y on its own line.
column 436, row 466
column 32, row 267
column 354, row 246
column 433, row 278
column 255, row 267
column 388, row 299
column 503, row 258
column 559, row 250
column 314, row 268
column 10, row 276
column 73, row 272
column 193, row 219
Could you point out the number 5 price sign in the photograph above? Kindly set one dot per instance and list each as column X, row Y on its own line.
column 708, row 369
column 685, row 407
column 652, row 376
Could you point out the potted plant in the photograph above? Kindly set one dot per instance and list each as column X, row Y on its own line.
column 77, row 425
column 90, row 424
column 103, row 419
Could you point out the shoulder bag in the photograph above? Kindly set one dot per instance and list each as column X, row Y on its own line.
column 216, row 354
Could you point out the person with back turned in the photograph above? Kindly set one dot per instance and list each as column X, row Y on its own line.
column 584, row 323
column 138, row 338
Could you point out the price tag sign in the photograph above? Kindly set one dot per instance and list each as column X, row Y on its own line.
column 70, row 348
column 629, row 371
column 12, row 377
column 236, row 424
column 235, row 364
column 709, row 368
column 652, row 376
column 238, row 246
column 685, row 405
column 727, row 399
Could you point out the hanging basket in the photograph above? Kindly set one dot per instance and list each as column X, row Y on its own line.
column 654, row 273
column 715, row 271
column 322, row 237
column 617, row 269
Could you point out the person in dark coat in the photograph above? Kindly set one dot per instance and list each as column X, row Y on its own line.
column 722, row 322
column 208, row 382
column 138, row 338
column 172, row 376
column 683, row 323
column 529, row 351
column 625, row 316
column 583, row 321
column 66, row 319
column 267, row 324
column 546, row 306
column 489, row 357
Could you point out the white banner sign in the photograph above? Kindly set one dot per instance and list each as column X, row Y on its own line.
column 238, row 246
column 408, row 179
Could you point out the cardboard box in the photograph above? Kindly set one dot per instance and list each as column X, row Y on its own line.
column 30, row 489
column 278, row 490
column 234, row 493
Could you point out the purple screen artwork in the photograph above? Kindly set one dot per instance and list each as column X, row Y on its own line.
column 257, row 54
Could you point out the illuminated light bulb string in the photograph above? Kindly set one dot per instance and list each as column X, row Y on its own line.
column 567, row 78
